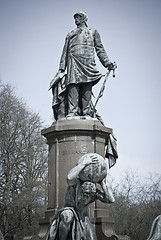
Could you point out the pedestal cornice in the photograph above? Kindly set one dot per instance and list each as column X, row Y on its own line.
column 77, row 126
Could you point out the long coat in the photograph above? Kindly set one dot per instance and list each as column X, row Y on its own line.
column 78, row 56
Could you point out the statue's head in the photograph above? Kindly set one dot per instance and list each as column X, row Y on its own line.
column 83, row 16
column 89, row 188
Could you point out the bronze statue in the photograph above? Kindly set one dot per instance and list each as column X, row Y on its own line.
column 71, row 222
column 72, row 90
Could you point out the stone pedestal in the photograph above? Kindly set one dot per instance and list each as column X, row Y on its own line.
column 68, row 140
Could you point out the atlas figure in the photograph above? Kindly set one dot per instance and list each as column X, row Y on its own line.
column 71, row 222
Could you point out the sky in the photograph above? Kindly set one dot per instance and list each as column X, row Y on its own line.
column 31, row 43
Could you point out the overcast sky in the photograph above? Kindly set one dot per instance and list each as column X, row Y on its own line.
column 31, row 43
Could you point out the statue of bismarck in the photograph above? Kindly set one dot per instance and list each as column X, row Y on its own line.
column 72, row 90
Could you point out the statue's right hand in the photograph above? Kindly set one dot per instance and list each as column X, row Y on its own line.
column 58, row 76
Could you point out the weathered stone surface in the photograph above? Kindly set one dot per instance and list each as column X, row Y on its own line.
column 68, row 141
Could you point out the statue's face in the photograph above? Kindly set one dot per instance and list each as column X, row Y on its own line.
column 88, row 189
column 79, row 20
column 86, row 194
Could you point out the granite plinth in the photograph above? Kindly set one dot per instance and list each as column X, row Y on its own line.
column 68, row 140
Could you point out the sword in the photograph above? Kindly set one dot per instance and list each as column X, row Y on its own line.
column 103, row 85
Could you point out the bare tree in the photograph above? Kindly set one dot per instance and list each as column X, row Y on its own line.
column 137, row 204
column 23, row 164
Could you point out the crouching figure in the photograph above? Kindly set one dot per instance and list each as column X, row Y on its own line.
column 71, row 222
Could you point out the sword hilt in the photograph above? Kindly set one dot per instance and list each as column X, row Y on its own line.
column 114, row 67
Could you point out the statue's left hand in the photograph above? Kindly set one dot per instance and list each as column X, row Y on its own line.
column 89, row 159
column 111, row 66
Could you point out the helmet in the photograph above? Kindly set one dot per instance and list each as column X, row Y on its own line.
column 83, row 14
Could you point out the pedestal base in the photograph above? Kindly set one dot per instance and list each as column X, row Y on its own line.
column 105, row 230
column 68, row 140
column 104, row 227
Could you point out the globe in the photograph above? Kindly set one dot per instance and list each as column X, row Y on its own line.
column 94, row 172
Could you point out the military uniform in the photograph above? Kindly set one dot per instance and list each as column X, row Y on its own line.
column 78, row 57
